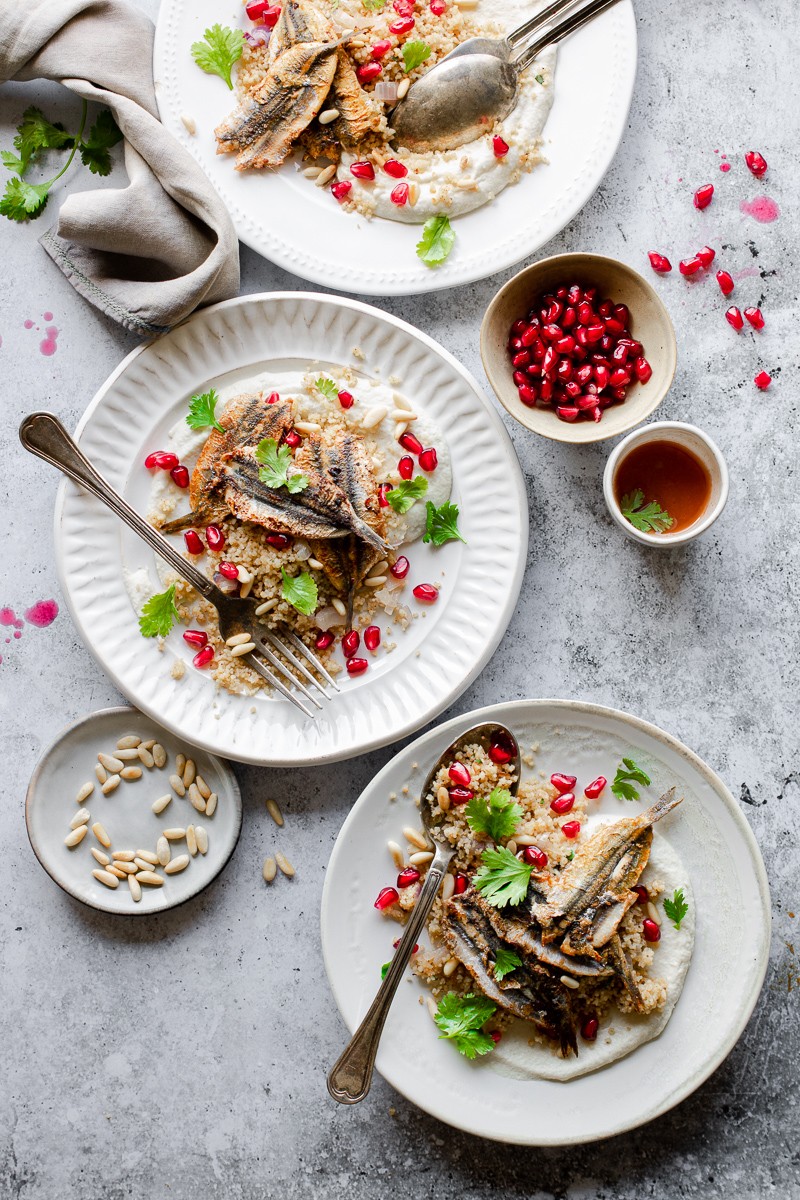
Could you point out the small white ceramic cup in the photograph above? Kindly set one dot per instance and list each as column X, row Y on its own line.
column 690, row 438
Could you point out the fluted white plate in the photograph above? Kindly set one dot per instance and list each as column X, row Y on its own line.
column 302, row 229
column 726, row 972
column 441, row 652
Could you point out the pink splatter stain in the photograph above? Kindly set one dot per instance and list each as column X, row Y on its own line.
column 48, row 345
column 29, row 324
column 9, row 617
column 42, row 613
column 724, row 166
column 762, row 209
column 48, row 316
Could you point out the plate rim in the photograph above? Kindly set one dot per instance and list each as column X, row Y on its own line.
column 63, row 734
column 720, row 788
column 414, row 723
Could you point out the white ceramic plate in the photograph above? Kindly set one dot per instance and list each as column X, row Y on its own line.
column 125, row 814
column 302, row 228
column 435, row 659
column 732, row 934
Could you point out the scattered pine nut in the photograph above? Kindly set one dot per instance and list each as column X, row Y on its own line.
column 652, row 912
column 148, row 745
column 201, row 838
column 211, row 804
column 82, row 817
column 103, row 859
column 448, row 886
column 402, row 414
column 330, row 114
column 240, row 651
column 107, row 878
column 397, row 855
column 127, row 868
column 159, row 755
column 311, row 172
column 373, row 417
column 379, row 568
column 189, row 124
column 110, row 762
column 177, row 864
column 315, row 564
column 307, row 427
column 111, row 785
column 416, row 837
column 401, row 426
column 191, row 840
column 269, row 869
column 127, row 756
column 325, row 176
column 101, row 773
column 413, row 187
column 159, row 805
column 284, row 864
column 163, row 851
column 131, row 773
column 275, row 812
column 150, row 878
column 569, row 982
column 402, row 88
column 148, row 856
column 189, row 772
column 85, row 792
column 123, row 856
column 375, row 581
column 196, row 800
column 449, row 967
column 238, row 639
column 135, row 888
column 525, row 839
column 202, row 787
column 114, row 870
column 176, row 783
column 266, row 607
column 146, row 758
column 511, row 846
column 144, row 864
column 443, row 796
column 420, row 858
column 180, row 763
column 339, row 606
column 101, row 835
column 129, row 742
column 174, row 834
column 76, row 837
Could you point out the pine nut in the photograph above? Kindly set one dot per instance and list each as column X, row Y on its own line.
column 202, row 787
column 315, row 564
column 114, row 870
column 375, row 581
column 511, row 846
column 652, row 912
column 135, row 888
column 189, row 124
column 269, row 870
column 402, row 88
column 247, row 648
column 107, row 878
column 149, row 744
column 180, row 763
column 146, row 758
column 413, row 187
column 131, row 773
column 144, row 864
column 147, row 856
column 339, row 606
column 163, row 851
column 329, row 115
column 85, row 792
column 266, row 607
column 127, row 868
column 397, row 855
column 245, row 588
column 150, row 878
column 379, row 568
column 191, row 840
column 284, row 864
column 189, row 772
column 399, row 429
column 159, row 755
column 569, row 982
column 238, row 639
column 416, row 837
column 325, row 176
column 110, row 763
column 373, row 417
column 129, row 742
column 123, row 855
column 127, row 756
column 274, row 811
column 177, row 864
column 420, row 858
column 175, row 833
column 76, row 837
column 402, row 414
column 211, row 804
column 449, row 967
column 101, row 835
column 524, row 839
column 159, row 805
column 448, row 886
column 176, row 783
column 82, row 817
column 101, row 773
column 103, row 859
column 307, row 427
column 111, row 785
column 196, row 799
column 443, row 797
column 201, row 838
column 311, row 172
column 430, row 1004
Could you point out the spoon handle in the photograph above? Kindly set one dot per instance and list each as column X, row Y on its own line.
column 536, row 22
column 558, row 32
column 351, row 1076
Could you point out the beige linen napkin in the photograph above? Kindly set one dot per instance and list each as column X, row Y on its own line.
column 149, row 253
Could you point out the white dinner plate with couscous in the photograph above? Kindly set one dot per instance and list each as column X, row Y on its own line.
column 583, row 1061
column 365, row 226
column 421, row 621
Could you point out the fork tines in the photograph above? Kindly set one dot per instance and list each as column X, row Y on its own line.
column 285, row 655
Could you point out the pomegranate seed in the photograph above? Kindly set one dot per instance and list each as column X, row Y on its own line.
column 270, row 15
column 393, row 166
column 725, row 281
column 279, row 541
column 575, row 294
column 380, row 50
column 642, row 893
column 706, row 256
column 756, row 163
column 345, row 399
column 255, row 9
column 406, row 466
column 601, row 374
column 546, row 389
column 196, row 637
column 619, row 378
column 563, row 783
column 403, row 8
column 215, row 538
column 567, row 413
column 571, row 829
column 593, row 789
column 323, row 640
column 399, row 567
column 292, row 439
column 460, row 795
column 203, row 657
column 273, row 397
column 396, row 943
column 401, row 26
column 500, row 146
column 356, row 666
column 690, row 266
column 229, row 570
column 193, row 543
column 755, row 317
column 366, row 74
column 703, row 195
column 399, row 195
column 502, row 749
column 426, row 592
column 762, row 380
column 643, row 370
column 167, row 461
column 651, row 930
column 495, row 1035
column 520, row 378
column 372, row 637
column 552, row 333
column 562, row 804
column 410, row 443
column 429, row 459
column 734, row 318
column 408, row 877
column 386, row 898
column 382, row 491
column 534, row 857
column 459, row 774
column 363, row 169
column 585, row 312
column 350, row 643
column 529, row 335
column 341, row 189
column 569, row 318
column 527, row 395
column 180, row 476
column 461, row 884
column 589, row 1029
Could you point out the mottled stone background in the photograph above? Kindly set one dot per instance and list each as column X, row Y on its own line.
column 185, row 1056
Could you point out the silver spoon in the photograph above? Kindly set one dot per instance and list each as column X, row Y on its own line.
column 476, row 84
column 350, row 1077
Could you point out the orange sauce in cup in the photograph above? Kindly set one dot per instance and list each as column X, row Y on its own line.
column 670, row 475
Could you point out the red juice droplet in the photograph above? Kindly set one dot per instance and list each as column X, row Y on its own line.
column 42, row 613
column 48, row 316
column 28, row 324
column 725, row 166
column 762, row 209
column 48, row 346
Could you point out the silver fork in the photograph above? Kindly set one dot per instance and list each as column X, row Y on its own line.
column 43, row 434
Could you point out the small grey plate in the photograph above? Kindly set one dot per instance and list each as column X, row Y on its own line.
column 126, row 813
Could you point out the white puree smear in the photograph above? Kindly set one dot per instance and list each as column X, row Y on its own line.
column 515, row 1058
column 441, row 175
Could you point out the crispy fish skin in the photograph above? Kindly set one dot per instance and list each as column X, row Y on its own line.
column 356, row 118
column 520, row 935
column 601, row 919
column 299, row 23
column 617, row 959
column 336, row 469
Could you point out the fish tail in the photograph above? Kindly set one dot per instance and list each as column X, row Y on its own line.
column 663, row 806
column 184, row 522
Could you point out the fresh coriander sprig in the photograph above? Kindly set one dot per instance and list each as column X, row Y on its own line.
column 159, row 614
column 628, row 774
column 406, row 493
column 502, row 877
column 498, row 815
column 275, row 462
column 221, row 48
column 415, row 53
column 676, row 908
column 460, row 1019
column 202, row 412
column 327, row 387
column 647, row 518
column 505, row 962
column 301, row 591
column 437, row 240
column 441, row 524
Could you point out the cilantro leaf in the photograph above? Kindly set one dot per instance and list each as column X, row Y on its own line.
column 374, row 5
column 628, row 774
column 460, row 1018
column 276, row 461
column 539, row 78
column 220, row 50
column 498, row 815
column 301, row 591
column 676, row 908
column 202, row 411
column 12, row 163
column 35, row 133
column 415, row 54
column 159, row 614
column 441, row 524
column 406, row 493
column 328, row 388
column 94, row 149
column 436, row 241
column 22, row 201
column 385, row 970
column 505, row 962
column 647, row 518
column 502, row 878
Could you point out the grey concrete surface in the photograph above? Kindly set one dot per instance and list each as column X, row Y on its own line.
column 185, row 1056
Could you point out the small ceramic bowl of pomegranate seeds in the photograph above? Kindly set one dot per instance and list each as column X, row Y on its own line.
column 578, row 347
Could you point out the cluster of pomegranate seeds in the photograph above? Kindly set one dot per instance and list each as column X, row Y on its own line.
column 756, row 163
column 535, row 857
column 386, row 898
column 196, row 637
column 203, row 657
column 704, row 195
column 265, row 13
column 574, row 352
column 651, row 930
